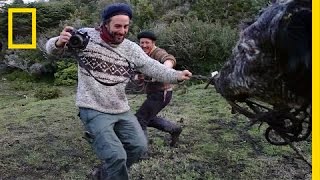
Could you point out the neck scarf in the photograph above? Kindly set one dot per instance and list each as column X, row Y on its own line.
column 106, row 36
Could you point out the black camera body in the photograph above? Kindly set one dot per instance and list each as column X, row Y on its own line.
column 78, row 40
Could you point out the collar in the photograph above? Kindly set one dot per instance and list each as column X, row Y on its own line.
column 154, row 48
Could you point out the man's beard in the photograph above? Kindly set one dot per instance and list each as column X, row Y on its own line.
column 116, row 37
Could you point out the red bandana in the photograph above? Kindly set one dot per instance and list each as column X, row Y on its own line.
column 105, row 35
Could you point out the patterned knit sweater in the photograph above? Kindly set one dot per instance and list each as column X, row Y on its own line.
column 111, row 65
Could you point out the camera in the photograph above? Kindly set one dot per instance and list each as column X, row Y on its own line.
column 78, row 40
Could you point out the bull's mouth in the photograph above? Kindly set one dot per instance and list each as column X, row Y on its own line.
column 285, row 124
column 222, row 86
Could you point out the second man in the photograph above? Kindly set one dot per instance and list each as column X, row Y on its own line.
column 158, row 94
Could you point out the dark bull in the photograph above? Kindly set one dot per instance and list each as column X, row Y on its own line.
column 271, row 65
column 272, row 59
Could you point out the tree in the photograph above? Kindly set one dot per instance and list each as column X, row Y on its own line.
column 18, row 2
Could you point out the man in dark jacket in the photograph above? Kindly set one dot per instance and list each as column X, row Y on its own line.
column 159, row 94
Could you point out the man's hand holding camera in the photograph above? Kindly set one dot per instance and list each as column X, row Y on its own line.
column 64, row 37
column 74, row 39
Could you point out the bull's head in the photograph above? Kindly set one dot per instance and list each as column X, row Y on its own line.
column 272, row 59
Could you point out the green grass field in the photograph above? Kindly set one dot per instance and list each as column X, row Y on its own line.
column 42, row 139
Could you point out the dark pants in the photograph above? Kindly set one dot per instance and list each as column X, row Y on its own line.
column 147, row 113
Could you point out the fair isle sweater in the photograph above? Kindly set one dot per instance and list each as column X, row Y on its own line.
column 110, row 65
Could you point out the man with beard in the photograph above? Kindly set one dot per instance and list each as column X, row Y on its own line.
column 105, row 66
column 159, row 94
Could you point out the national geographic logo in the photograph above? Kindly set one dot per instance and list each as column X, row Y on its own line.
column 33, row 44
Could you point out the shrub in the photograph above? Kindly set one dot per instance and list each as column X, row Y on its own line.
column 22, row 86
column 199, row 46
column 150, row 12
column 28, row 57
column 49, row 16
column 66, row 73
column 47, row 93
column 19, row 75
column 227, row 11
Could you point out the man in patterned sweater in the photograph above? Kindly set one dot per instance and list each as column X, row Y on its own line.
column 159, row 94
column 104, row 69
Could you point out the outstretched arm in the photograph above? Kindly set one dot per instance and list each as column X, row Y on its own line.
column 156, row 70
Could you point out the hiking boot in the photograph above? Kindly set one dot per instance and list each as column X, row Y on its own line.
column 175, row 136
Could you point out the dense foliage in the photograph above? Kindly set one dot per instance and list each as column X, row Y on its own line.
column 200, row 33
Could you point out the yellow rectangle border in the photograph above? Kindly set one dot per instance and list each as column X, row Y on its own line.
column 315, row 91
column 33, row 44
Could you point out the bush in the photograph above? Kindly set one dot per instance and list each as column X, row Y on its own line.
column 66, row 73
column 150, row 12
column 49, row 16
column 29, row 56
column 199, row 46
column 19, row 75
column 227, row 11
column 22, row 86
column 47, row 93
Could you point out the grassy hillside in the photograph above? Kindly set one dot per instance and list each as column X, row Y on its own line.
column 42, row 139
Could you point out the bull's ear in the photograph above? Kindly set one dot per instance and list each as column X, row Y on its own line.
column 294, row 38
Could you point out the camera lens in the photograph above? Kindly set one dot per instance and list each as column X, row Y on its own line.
column 76, row 41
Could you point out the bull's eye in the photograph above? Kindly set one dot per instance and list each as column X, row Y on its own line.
column 245, row 46
column 253, row 51
column 249, row 48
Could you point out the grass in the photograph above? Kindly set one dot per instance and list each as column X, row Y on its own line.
column 42, row 139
